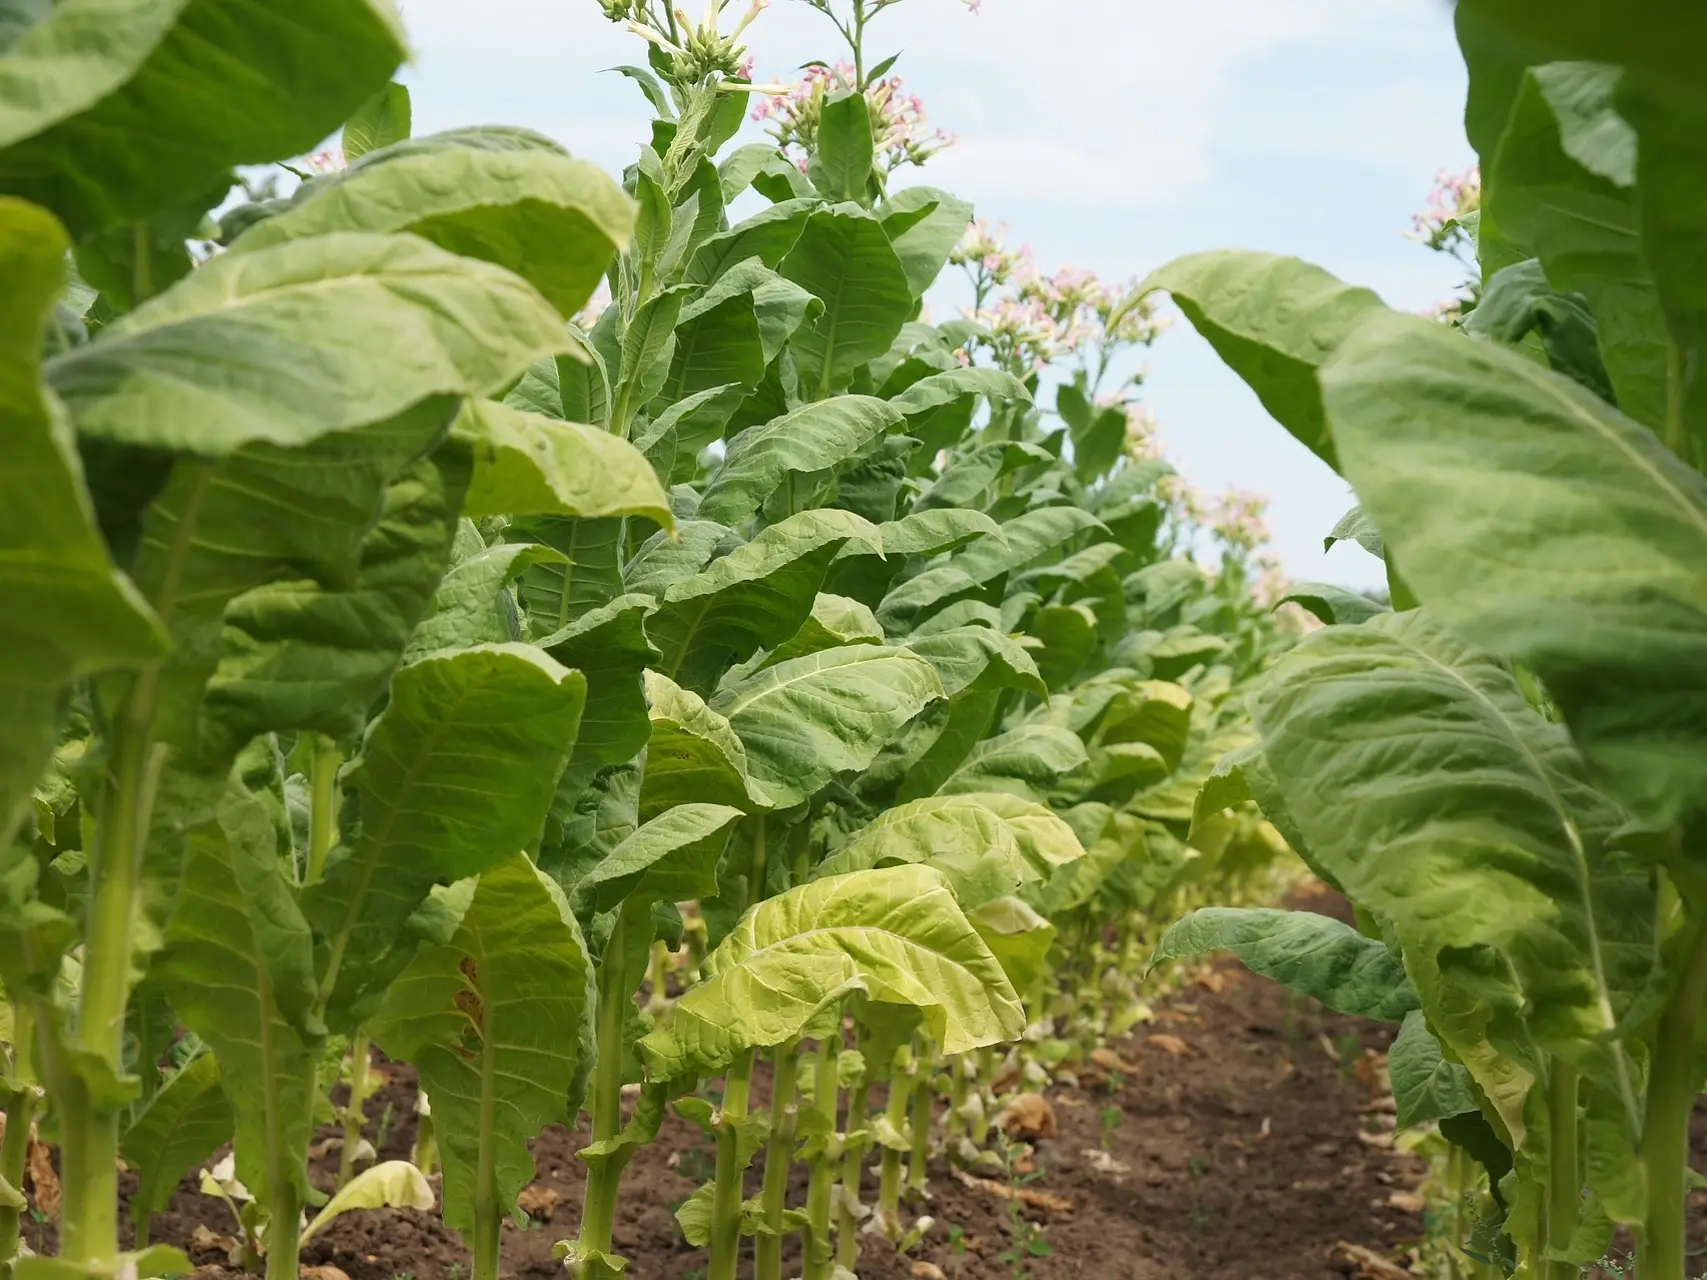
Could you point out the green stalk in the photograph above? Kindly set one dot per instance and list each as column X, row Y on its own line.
column 986, row 1069
column 895, row 1111
column 853, row 1154
column 1665, row 1128
column 728, row 1193
column 354, row 1117
column 604, row 1173
column 15, row 1150
column 424, row 1155
column 1564, row 1172
column 284, row 1231
column 779, row 1156
column 323, row 812
column 657, row 974
column 488, row 1212
column 825, row 1087
column 954, row 1124
column 918, row 1162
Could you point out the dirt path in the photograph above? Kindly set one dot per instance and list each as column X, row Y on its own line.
column 1238, row 1152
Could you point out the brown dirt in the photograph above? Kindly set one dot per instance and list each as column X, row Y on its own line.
column 1241, row 1156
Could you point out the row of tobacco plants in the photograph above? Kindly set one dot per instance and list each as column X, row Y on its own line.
column 1507, row 771
column 391, row 660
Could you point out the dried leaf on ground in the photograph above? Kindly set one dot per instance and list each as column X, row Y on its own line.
column 1359, row 1263
column 44, row 1181
column 1025, row 1195
column 1170, row 1044
column 538, row 1202
column 1028, row 1116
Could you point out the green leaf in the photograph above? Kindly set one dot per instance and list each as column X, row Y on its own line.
column 554, row 221
column 382, row 120
column 608, row 646
column 768, row 236
column 1465, row 819
column 1456, row 447
column 182, row 1125
column 1333, row 604
column 497, row 1022
column 693, row 755
column 471, row 606
column 295, row 621
column 555, row 594
column 841, row 162
column 814, row 437
column 111, row 109
column 894, row 934
column 835, row 621
column 924, row 224
column 844, row 257
column 1356, row 526
column 1582, row 223
column 731, row 332
column 73, row 613
column 529, row 465
column 330, row 333
column 454, row 776
column 969, row 474
column 1022, row 762
column 391, row 1184
column 672, row 858
column 808, row 719
column 1275, row 321
column 742, row 165
column 1018, row 937
column 238, row 967
column 1313, row 955
column 941, row 389
column 1069, row 636
column 978, row 659
column 674, row 440
column 754, row 598
column 1426, row 1086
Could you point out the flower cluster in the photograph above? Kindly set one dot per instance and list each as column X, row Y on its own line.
column 696, row 52
column 1240, row 519
column 1143, row 442
column 901, row 132
column 1072, row 312
column 984, row 252
column 1455, row 196
column 330, row 160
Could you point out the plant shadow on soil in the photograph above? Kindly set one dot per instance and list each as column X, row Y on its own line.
column 1247, row 1155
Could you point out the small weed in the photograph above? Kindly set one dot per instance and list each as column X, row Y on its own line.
column 1109, row 1120
column 456, row 1271
column 387, row 1119
column 1028, row 1241
column 956, row 1238
column 1199, row 1166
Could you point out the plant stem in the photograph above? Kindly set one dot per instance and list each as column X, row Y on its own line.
column 323, row 812
column 604, row 1173
column 284, row 1232
column 779, row 1156
column 1665, row 1128
column 728, row 1193
column 354, row 1117
column 825, row 1088
column 853, row 1153
column 15, row 1150
column 1564, row 1173
column 918, row 1162
column 895, row 1111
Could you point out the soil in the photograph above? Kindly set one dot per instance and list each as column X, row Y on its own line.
column 1249, row 1142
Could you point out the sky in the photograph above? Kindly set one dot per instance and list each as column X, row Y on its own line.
column 1113, row 135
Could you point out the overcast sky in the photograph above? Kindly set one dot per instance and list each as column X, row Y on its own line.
column 1109, row 134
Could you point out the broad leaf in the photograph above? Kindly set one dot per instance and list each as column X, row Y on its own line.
column 978, row 659
column 842, row 159
column 814, row 437
column 497, row 1022
column 1314, row 955
column 755, row 597
column 1426, row 1086
column 71, row 612
column 383, row 119
column 471, row 605
column 111, row 109
column 844, row 257
column 454, row 776
column 808, row 719
column 1463, row 817
column 896, row 935
column 608, row 646
column 329, row 333
column 1331, row 604
column 672, row 858
column 391, row 1184
column 554, row 221
column 182, row 1125
column 1023, row 762
column 529, row 465
column 1456, row 447
column 693, row 755
column 926, row 241
column 1275, row 321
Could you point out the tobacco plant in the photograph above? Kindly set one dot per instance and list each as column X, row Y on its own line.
column 1506, row 775
column 398, row 644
